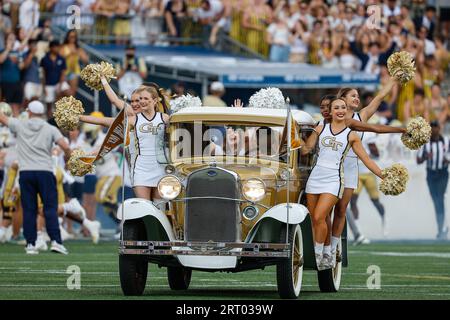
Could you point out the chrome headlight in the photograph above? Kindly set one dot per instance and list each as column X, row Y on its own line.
column 253, row 189
column 169, row 187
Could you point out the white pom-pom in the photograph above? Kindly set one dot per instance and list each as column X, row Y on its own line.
column 271, row 98
column 184, row 102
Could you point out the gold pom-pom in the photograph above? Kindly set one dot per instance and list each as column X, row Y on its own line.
column 76, row 166
column 418, row 133
column 401, row 66
column 92, row 73
column 67, row 113
column 395, row 179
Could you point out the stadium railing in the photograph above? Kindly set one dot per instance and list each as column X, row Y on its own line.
column 192, row 33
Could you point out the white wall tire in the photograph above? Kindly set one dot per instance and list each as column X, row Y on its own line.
column 290, row 270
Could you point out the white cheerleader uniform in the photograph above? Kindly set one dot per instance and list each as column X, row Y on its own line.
column 144, row 167
column 351, row 170
column 327, row 175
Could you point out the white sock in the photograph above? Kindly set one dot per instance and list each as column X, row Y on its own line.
column 334, row 243
column 318, row 248
column 327, row 250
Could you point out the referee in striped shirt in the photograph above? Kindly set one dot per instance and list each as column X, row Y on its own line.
column 436, row 154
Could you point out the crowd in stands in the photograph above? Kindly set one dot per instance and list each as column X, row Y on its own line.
column 345, row 34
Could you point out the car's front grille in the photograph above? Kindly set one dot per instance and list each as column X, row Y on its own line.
column 211, row 218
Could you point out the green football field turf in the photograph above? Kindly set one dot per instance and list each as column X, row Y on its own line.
column 409, row 270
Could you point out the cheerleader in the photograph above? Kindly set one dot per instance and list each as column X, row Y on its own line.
column 145, row 169
column 325, row 185
column 351, row 97
column 145, row 121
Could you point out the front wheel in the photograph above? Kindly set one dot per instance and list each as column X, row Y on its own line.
column 290, row 270
column 133, row 269
column 330, row 279
column 179, row 278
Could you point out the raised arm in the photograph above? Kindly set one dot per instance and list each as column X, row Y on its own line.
column 370, row 110
column 105, row 122
column 112, row 96
column 363, row 156
column 377, row 128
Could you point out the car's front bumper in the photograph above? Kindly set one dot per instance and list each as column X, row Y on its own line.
column 237, row 249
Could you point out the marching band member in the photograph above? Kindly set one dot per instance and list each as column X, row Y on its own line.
column 10, row 200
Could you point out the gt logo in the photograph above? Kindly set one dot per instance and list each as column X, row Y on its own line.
column 330, row 142
column 148, row 128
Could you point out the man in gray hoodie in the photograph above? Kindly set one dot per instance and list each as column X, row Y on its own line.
column 35, row 140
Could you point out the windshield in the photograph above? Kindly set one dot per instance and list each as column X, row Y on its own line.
column 201, row 139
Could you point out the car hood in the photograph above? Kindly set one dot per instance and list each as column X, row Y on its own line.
column 243, row 171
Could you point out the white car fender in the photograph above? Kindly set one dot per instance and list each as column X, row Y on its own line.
column 136, row 208
column 297, row 213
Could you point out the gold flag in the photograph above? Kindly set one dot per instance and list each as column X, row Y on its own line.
column 295, row 138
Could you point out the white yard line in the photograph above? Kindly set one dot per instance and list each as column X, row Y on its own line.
column 227, row 285
column 445, row 255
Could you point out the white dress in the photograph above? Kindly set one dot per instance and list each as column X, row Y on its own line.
column 351, row 170
column 144, row 167
column 327, row 175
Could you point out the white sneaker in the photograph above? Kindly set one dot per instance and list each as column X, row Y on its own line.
column 41, row 244
column 30, row 249
column 74, row 206
column 59, row 248
column 319, row 258
column 93, row 228
column 333, row 259
column 361, row 240
column 326, row 263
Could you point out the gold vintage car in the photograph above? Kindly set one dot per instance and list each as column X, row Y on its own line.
column 225, row 202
